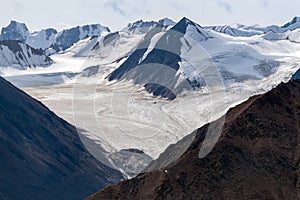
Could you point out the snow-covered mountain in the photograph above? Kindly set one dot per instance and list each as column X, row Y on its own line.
column 19, row 55
column 244, row 30
column 49, row 39
column 42, row 39
column 15, row 31
column 167, row 22
column 184, row 57
column 290, row 31
column 150, row 67
column 293, row 36
column 292, row 25
column 143, row 27
column 114, row 48
column 105, row 84
column 240, row 30
column 66, row 38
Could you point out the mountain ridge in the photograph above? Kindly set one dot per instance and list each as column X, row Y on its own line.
column 237, row 30
column 50, row 38
column 19, row 55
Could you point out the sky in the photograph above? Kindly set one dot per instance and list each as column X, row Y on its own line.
column 116, row 14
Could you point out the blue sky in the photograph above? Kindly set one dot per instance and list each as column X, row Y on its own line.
column 116, row 14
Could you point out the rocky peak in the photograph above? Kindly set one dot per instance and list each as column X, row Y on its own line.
column 167, row 22
column 14, row 31
column 294, row 21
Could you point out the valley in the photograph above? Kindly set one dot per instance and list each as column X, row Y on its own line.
column 111, row 117
column 132, row 93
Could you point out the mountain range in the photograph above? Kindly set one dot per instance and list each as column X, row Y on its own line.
column 248, row 31
column 134, row 95
column 50, row 39
column 183, row 63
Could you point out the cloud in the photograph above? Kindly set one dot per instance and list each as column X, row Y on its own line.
column 115, row 5
column 226, row 6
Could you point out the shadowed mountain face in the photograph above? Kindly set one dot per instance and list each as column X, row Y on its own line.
column 256, row 157
column 296, row 76
column 41, row 155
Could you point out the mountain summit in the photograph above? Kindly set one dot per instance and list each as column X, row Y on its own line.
column 150, row 66
column 14, row 31
column 142, row 27
column 295, row 23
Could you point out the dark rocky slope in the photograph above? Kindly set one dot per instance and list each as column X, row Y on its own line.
column 256, row 157
column 41, row 155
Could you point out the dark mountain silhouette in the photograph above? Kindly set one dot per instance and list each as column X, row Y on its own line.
column 256, row 157
column 41, row 155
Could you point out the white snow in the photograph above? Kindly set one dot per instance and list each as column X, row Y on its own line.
column 83, row 47
column 123, row 47
column 22, row 59
column 249, row 31
column 167, row 22
column 122, row 115
column 39, row 39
